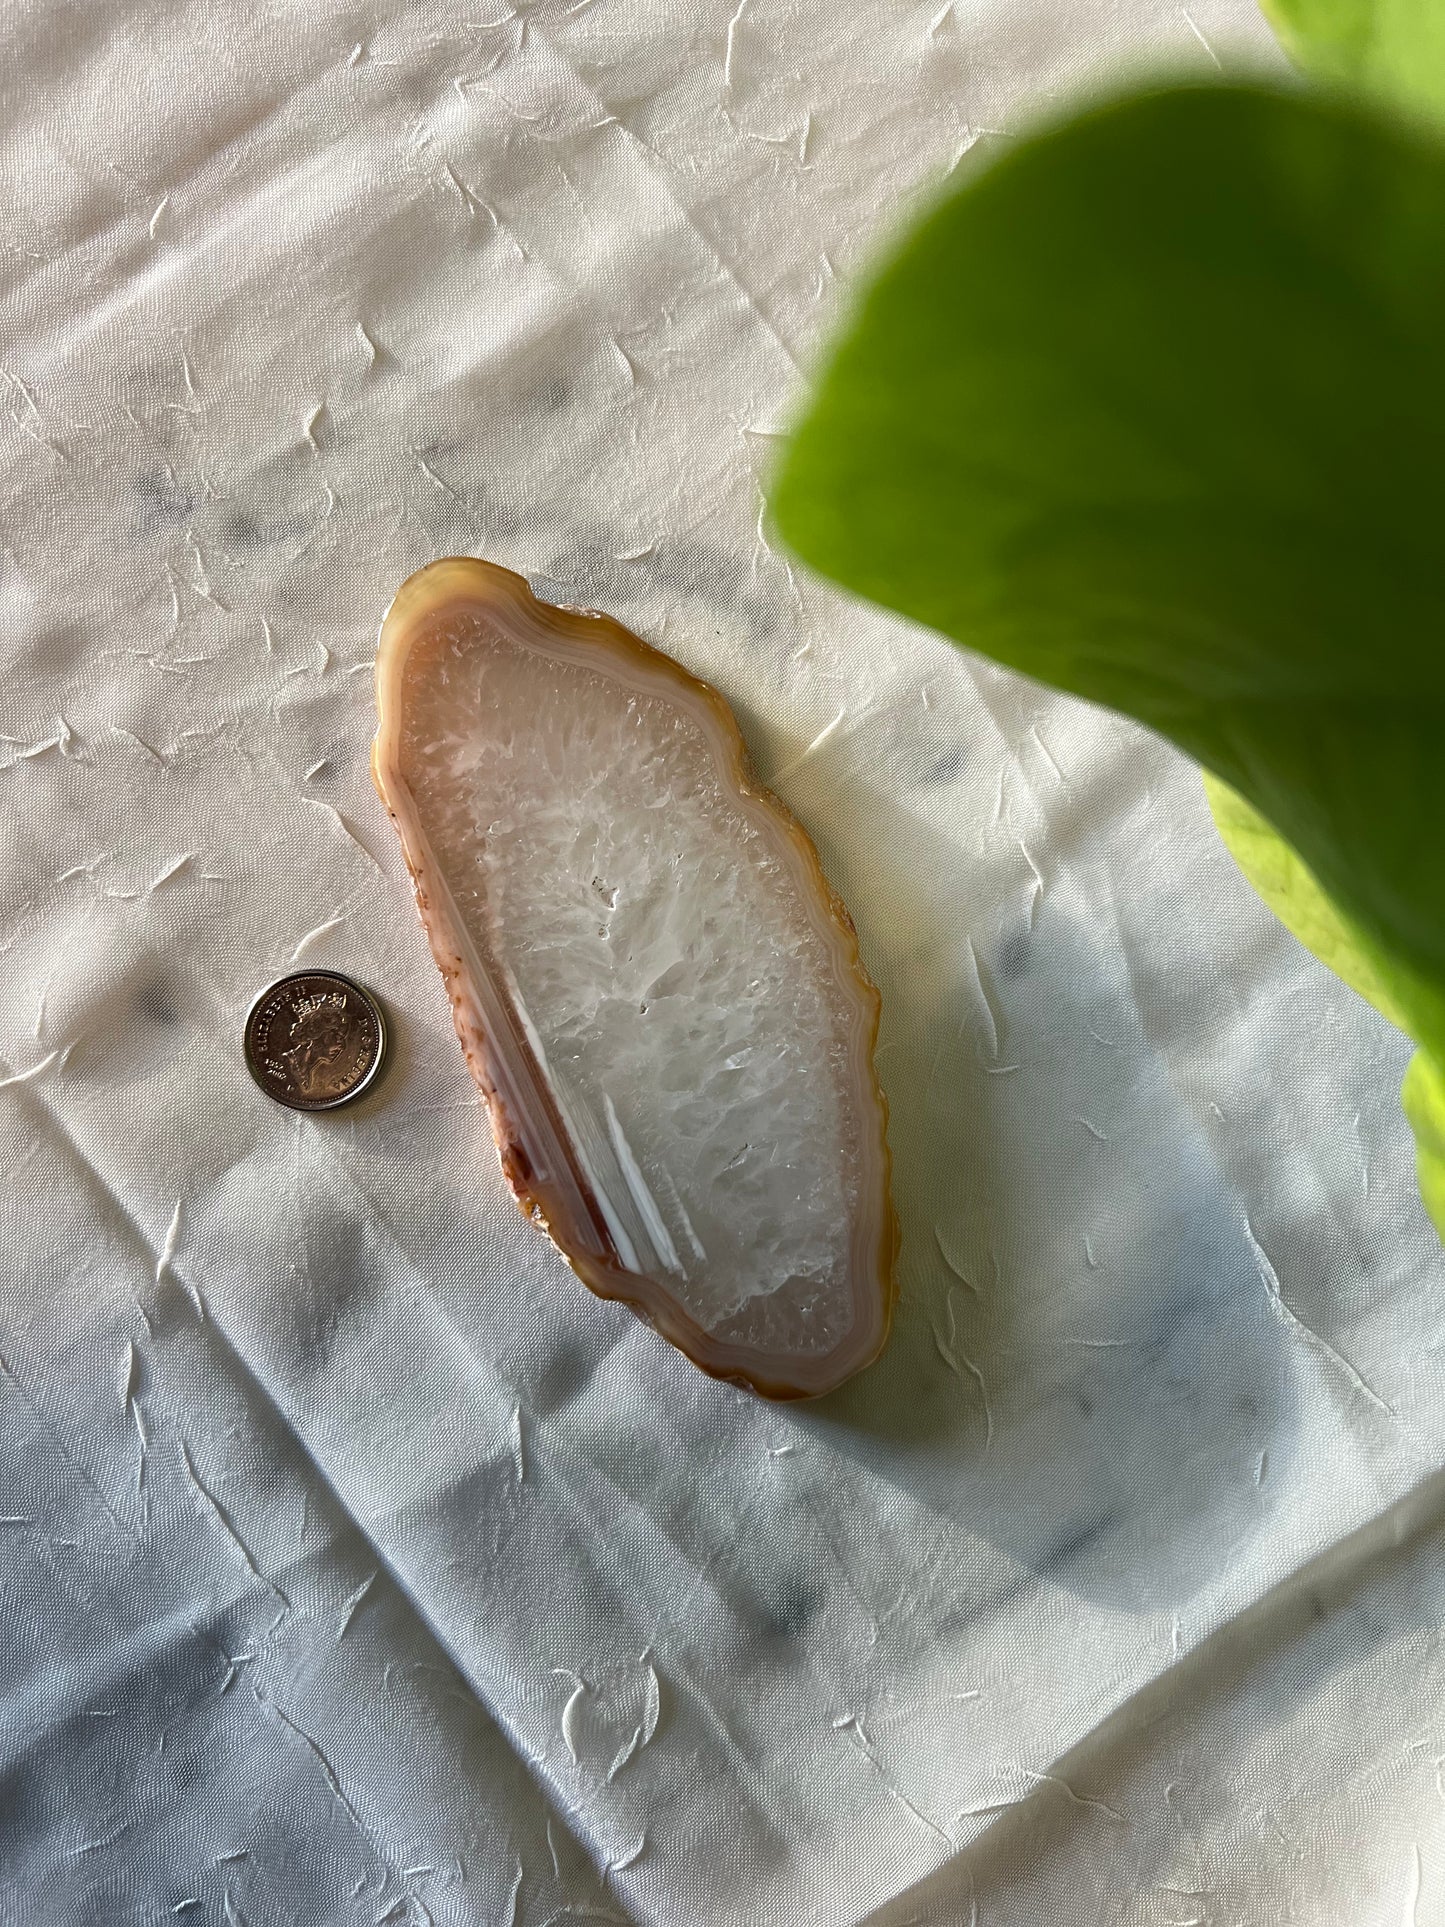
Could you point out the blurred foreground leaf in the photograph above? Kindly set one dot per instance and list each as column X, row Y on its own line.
column 1394, row 49
column 1153, row 409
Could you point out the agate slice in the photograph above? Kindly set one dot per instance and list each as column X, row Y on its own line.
column 654, row 987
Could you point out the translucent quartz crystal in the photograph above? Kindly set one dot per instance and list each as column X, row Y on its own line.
column 654, row 987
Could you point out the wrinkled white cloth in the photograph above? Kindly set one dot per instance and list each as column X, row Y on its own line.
column 356, row 1565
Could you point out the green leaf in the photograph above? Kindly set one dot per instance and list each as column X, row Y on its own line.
column 1423, row 1095
column 1282, row 880
column 1392, row 48
column 1153, row 410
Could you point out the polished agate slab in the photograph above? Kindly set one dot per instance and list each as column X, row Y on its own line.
column 654, row 987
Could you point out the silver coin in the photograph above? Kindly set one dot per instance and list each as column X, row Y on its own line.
column 315, row 1040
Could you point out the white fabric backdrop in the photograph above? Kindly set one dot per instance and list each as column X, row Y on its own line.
column 356, row 1565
